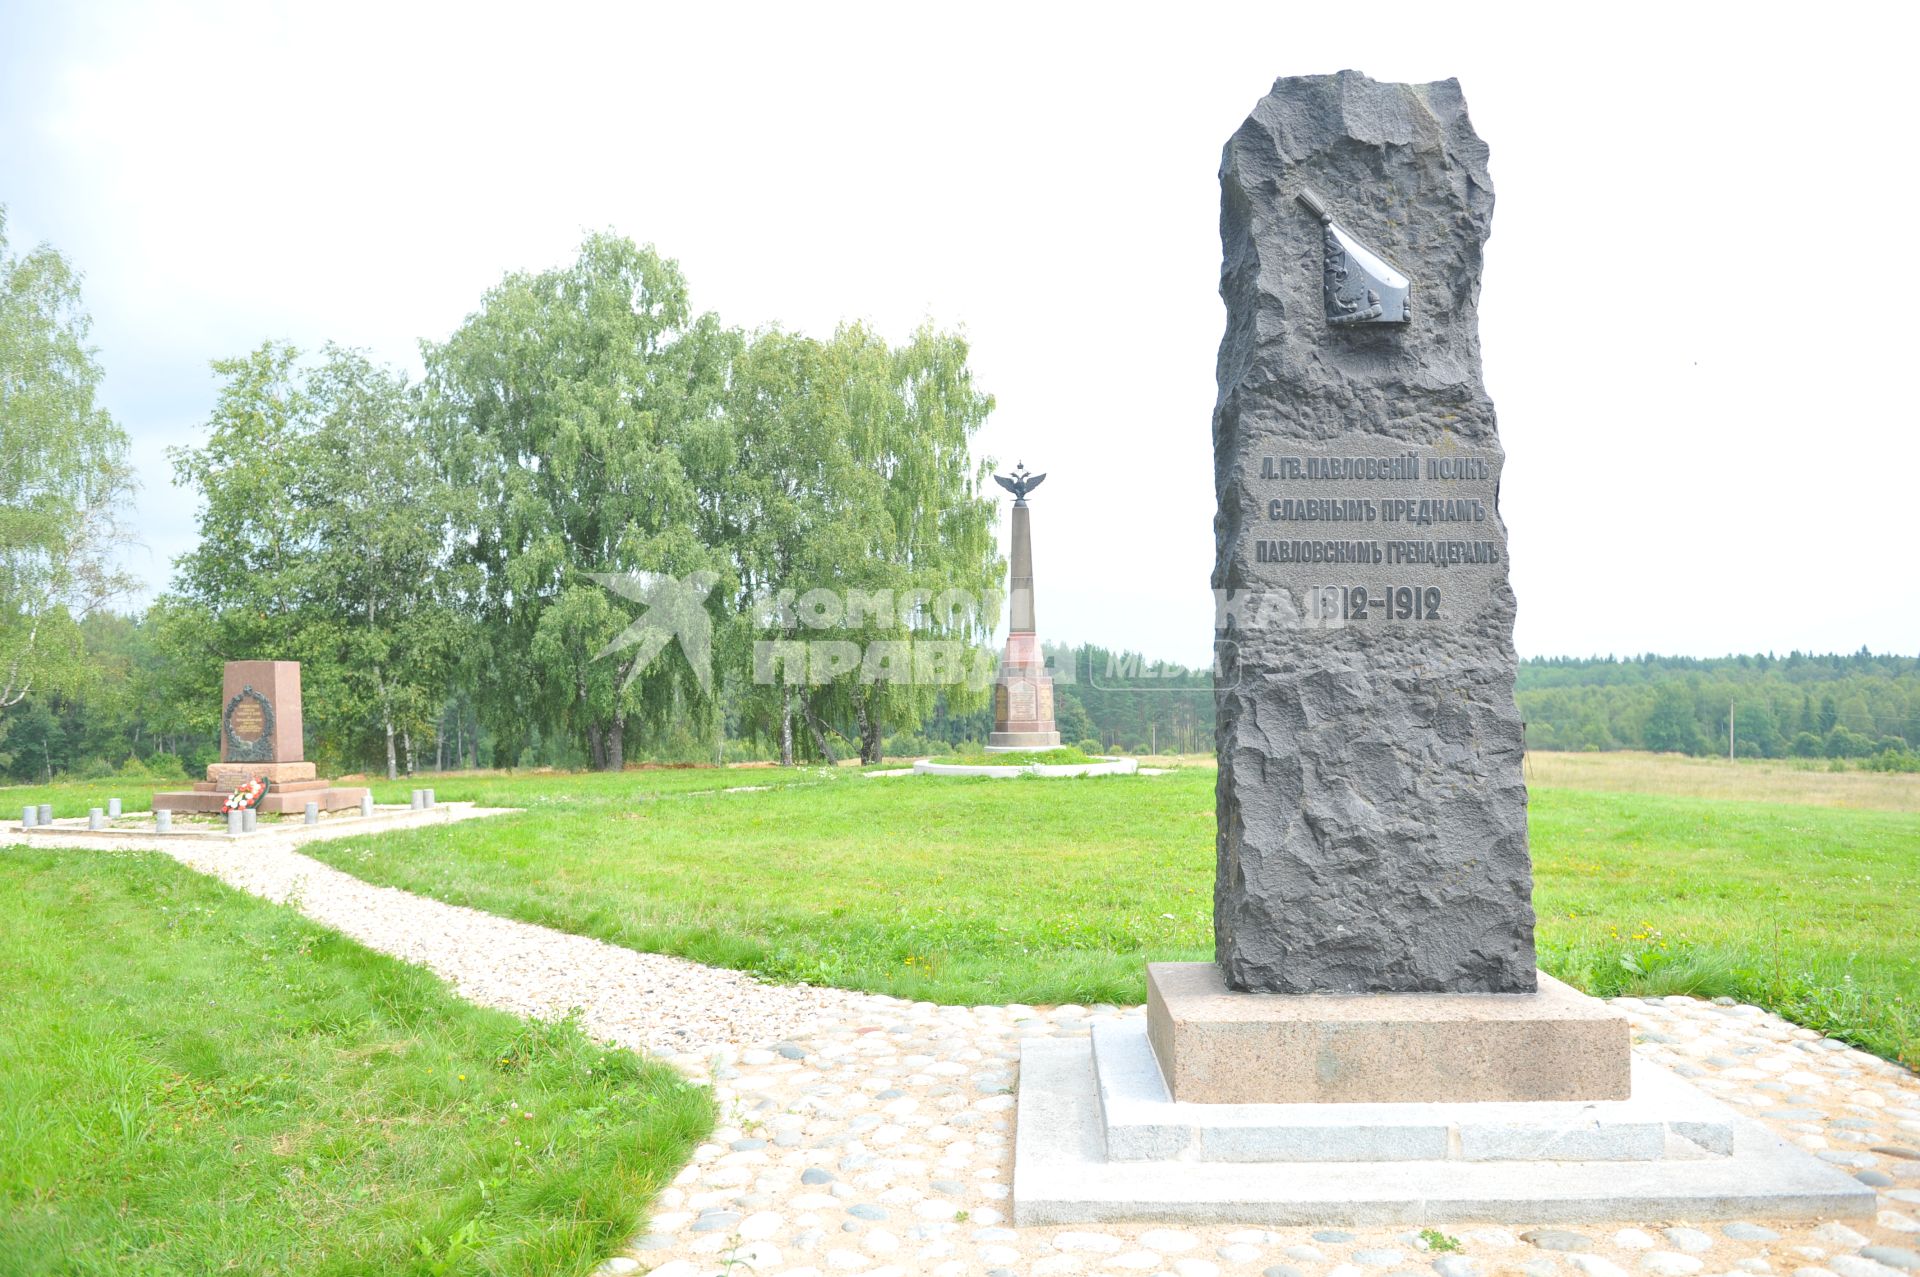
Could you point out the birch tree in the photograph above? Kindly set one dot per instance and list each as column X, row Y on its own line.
column 588, row 406
column 64, row 478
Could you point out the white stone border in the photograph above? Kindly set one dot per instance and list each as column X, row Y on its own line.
column 1107, row 766
column 287, row 833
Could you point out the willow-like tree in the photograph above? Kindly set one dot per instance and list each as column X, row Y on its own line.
column 64, row 478
column 864, row 535
column 587, row 405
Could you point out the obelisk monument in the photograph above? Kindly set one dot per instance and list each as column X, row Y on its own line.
column 1023, row 691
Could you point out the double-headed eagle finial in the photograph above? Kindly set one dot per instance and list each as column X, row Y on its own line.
column 1020, row 483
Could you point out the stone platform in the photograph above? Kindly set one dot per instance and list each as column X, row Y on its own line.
column 1016, row 742
column 1218, row 1046
column 1095, row 1142
column 291, row 797
column 1665, row 1117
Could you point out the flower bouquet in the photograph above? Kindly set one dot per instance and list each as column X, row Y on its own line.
column 247, row 795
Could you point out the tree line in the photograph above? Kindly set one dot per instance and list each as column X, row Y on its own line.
column 485, row 566
column 571, row 539
column 1860, row 706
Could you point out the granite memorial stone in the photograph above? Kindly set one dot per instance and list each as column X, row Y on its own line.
column 1374, row 1044
column 262, row 737
column 1372, row 816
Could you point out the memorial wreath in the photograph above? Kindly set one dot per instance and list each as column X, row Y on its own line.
column 247, row 795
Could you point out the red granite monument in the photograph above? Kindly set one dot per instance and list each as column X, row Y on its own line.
column 261, row 739
column 1023, row 693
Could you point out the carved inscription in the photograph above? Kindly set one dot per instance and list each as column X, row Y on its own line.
column 1377, row 537
column 248, row 724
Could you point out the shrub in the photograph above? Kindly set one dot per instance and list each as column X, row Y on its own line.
column 1844, row 743
column 1088, row 746
column 164, row 766
column 1893, row 760
column 745, row 751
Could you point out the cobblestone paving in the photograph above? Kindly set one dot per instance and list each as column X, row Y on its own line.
column 869, row 1137
column 882, row 1147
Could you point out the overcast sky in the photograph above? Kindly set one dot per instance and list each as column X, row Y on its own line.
column 1698, row 323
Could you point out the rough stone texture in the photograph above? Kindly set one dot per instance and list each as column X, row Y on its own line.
column 1221, row 1047
column 1372, row 813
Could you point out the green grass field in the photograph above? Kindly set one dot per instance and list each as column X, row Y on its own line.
column 72, row 798
column 1048, row 891
column 194, row 1081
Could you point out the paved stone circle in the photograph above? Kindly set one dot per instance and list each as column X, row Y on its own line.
column 871, row 1137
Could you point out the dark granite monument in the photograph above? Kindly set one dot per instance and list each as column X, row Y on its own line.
column 1023, row 692
column 1372, row 816
column 1373, row 1044
column 262, row 738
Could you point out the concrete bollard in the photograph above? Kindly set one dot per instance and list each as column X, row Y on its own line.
column 249, row 820
column 113, row 809
column 429, row 802
column 96, row 818
column 163, row 821
column 46, row 813
column 418, row 794
column 313, row 813
column 29, row 816
column 233, row 822
column 366, row 805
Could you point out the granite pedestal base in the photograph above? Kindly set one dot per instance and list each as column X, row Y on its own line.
column 291, row 786
column 1098, row 1138
column 1217, row 1046
column 291, row 797
column 1014, row 742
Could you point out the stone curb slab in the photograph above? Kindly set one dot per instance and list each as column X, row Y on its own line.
column 1061, row 1175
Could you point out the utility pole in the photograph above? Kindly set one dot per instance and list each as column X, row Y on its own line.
column 1730, row 705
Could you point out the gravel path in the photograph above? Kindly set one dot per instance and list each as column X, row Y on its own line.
column 670, row 1007
column 866, row 1136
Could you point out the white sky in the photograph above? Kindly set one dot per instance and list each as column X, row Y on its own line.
column 1697, row 320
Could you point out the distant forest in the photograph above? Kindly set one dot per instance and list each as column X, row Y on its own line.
column 1862, row 706
column 139, row 715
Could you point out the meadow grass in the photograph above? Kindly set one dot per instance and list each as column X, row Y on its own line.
column 195, row 1081
column 1796, row 781
column 1045, row 891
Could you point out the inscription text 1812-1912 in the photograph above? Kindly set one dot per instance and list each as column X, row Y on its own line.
column 1378, row 536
